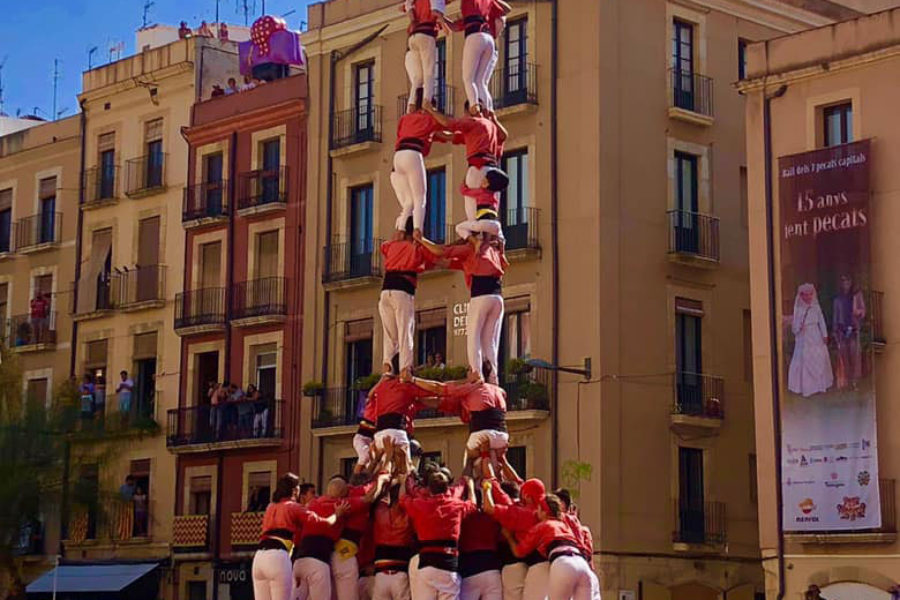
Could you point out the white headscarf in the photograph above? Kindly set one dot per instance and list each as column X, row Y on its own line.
column 809, row 313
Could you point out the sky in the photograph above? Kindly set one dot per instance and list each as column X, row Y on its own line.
column 35, row 32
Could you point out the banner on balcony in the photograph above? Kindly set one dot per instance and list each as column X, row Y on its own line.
column 829, row 453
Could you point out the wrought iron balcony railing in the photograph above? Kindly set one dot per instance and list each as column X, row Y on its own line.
column 225, row 422
column 699, row 395
column 259, row 297
column 520, row 228
column 514, row 85
column 693, row 234
column 28, row 330
column 699, row 523
column 356, row 125
column 140, row 284
column 205, row 201
column 195, row 308
column 38, row 230
column 145, row 174
column 352, row 260
column 101, row 184
column 691, row 91
column 444, row 101
column 262, row 187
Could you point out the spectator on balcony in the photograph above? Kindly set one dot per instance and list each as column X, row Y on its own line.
column 204, row 30
column 124, row 392
column 439, row 361
column 217, row 91
column 86, row 393
column 429, row 361
column 100, row 397
column 218, row 394
column 248, row 85
column 127, row 489
column 223, row 32
column 40, row 310
column 232, row 87
column 184, row 31
column 140, row 512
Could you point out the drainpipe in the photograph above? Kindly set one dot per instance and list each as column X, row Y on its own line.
column 78, row 238
column 773, row 326
column 554, row 237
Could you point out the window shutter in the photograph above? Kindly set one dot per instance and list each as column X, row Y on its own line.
column 107, row 141
column 96, row 354
column 6, row 199
column 140, row 467
column 145, row 345
column 201, row 484
column 47, row 188
column 259, row 479
column 689, row 307
column 153, row 130
column 358, row 330
column 428, row 319
column 517, row 304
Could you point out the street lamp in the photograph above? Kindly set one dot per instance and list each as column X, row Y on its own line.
column 539, row 363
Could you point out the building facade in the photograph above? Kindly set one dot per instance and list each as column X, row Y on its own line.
column 39, row 173
column 126, row 278
column 824, row 88
column 627, row 228
column 240, row 321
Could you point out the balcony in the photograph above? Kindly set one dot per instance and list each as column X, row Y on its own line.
column 693, row 238
column 444, row 99
column 38, row 232
column 876, row 301
column 200, row 311
column 699, row 524
column 355, row 130
column 30, row 541
column 101, row 186
column 190, row 533
column 33, row 334
column 237, row 424
column 514, row 88
column 262, row 190
column 528, row 396
column 145, row 175
column 259, row 302
column 101, row 303
column 204, row 203
column 352, row 264
column 692, row 97
column 140, row 287
column 245, row 528
column 520, row 227
column 698, row 401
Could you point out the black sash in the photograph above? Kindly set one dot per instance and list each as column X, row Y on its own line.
column 391, row 421
column 486, row 285
column 473, row 563
column 489, row 418
column 392, row 558
column 411, row 143
column 319, row 547
column 403, row 281
column 474, row 24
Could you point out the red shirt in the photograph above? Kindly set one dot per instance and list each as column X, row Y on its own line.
column 475, row 397
column 392, row 526
column 584, row 546
column 402, row 255
column 365, row 556
column 358, row 521
column 516, row 518
column 437, row 517
column 289, row 515
column 480, row 137
column 543, row 534
column 393, row 396
column 324, row 507
column 488, row 261
column 484, row 198
column 424, row 19
column 479, row 532
column 419, row 126
column 476, row 8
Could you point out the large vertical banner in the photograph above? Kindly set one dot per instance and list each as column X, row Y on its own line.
column 829, row 453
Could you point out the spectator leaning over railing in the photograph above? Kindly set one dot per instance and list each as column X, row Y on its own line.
column 125, row 392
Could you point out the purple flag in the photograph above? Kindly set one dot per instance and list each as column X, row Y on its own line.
column 284, row 49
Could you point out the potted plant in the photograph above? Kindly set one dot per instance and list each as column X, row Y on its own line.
column 364, row 384
column 311, row 389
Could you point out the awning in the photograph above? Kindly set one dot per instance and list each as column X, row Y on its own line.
column 74, row 579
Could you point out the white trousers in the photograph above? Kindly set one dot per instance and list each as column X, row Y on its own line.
column 465, row 229
column 570, row 579
column 474, row 178
column 361, row 444
column 514, row 580
column 409, row 182
column 420, row 66
column 345, row 572
column 314, row 576
column 478, row 57
column 366, row 588
column 393, row 586
column 437, row 584
column 398, row 321
column 271, row 573
column 413, row 573
column 498, row 440
column 537, row 581
column 487, row 585
column 485, row 318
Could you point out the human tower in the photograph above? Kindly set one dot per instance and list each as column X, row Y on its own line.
column 391, row 533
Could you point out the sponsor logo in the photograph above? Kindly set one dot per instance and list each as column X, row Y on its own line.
column 841, row 459
column 803, row 461
column 851, row 509
column 834, row 476
column 836, row 484
column 806, row 506
column 793, row 461
column 863, row 478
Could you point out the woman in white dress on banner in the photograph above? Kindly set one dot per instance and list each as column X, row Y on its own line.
column 810, row 371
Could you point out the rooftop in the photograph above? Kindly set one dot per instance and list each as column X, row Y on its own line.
column 39, row 134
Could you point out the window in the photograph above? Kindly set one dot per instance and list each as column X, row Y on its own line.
column 267, row 254
column 515, row 335
column 153, row 134
column 140, row 470
column 688, row 355
column 436, row 208
column 201, row 495
column 214, row 185
column 364, row 97
column 742, row 59
column 207, row 370
column 359, row 360
column 347, row 466
column 87, row 496
column 683, row 64
column 5, row 220
column 432, row 344
column 210, row 264
column 47, row 198
column 36, row 391
column 514, row 200
column 106, row 182
column 685, row 220
column 259, row 490
column 515, row 62
column 691, row 495
column 754, row 489
column 748, row 345
column 144, row 355
column 516, row 457
column 196, row 590
column 440, row 76
column 838, row 124
column 4, row 304
column 361, row 243
column 271, row 167
column 266, row 370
